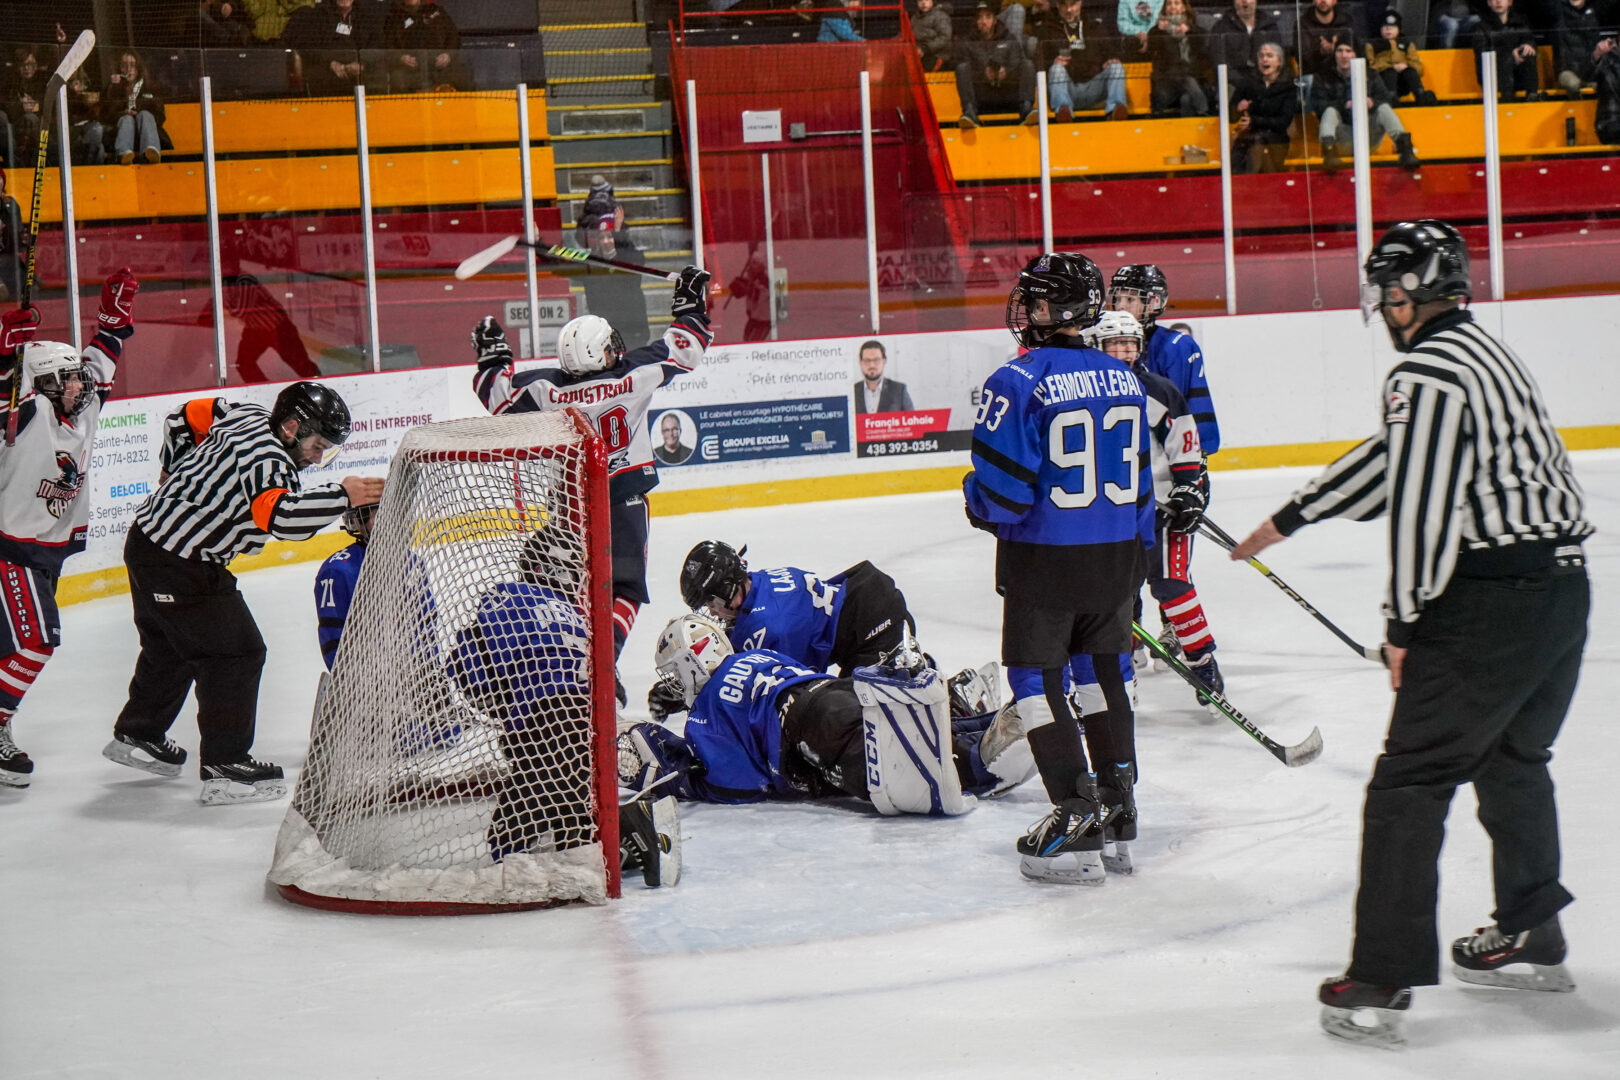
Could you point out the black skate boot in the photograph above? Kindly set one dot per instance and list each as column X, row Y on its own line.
column 1533, row 960
column 242, row 781
column 1208, row 672
column 1170, row 643
column 16, row 767
column 1116, row 791
column 650, row 840
column 157, row 756
column 1363, row 1013
column 1066, row 845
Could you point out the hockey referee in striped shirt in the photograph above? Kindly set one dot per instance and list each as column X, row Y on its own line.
column 1486, row 610
column 229, row 484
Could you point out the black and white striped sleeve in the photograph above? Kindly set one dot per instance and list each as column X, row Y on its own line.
column 1354, row 486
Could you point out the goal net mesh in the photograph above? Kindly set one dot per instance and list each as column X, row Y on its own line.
column 459, row 747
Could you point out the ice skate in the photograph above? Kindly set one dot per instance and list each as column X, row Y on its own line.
column 650, row 840
column 974, row 693
column 1116, row 792
column 1363, row 1013
column 1208, row 673
column 1532, row 960
column 242, row 782
column 1005, row 751
column 160, row 757
column 1065, row 846
column 16, row 767
column 1168, row 642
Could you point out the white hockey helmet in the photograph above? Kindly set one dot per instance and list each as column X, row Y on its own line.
column 587, row 345
column 1112, row 326
column 690, row 648
column 49, row 364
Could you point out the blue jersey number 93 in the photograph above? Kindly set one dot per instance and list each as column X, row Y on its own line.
column 1095, row 454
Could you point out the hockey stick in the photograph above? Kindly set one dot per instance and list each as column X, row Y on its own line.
column 71, row 62
column 472, row 264
column 1303, row 752
column 1220, row 536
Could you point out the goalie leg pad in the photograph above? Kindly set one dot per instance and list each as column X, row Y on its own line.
column 906, row 724
column 993, row 757
column 650, row 840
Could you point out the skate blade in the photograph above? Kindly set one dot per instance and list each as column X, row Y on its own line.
column 1369, row 1027
column 1116, row 858
column 1211, row 713
column 1069, row 868
column 124, row 754
column 667, row 823
column 1553, row 978
column 14, row 779
column 224, row 792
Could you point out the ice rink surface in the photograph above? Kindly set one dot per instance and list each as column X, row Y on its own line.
column 809, row 940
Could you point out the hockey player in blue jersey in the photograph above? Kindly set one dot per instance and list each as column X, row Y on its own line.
column 335, row 581
column 1062, row 476
column 760, row 726
column 1141, row 290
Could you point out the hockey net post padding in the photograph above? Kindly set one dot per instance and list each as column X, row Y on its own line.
column 461, row 758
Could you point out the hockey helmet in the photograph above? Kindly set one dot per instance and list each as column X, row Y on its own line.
column 1145, row 281
column 357, row 521
column 320, row 413
column 587, row 345
column 549, row 560
column 49, row 365
column 1054, row 290
column 1427, row 260
column 1112, row 326
column 690, row 648
column 713, row 570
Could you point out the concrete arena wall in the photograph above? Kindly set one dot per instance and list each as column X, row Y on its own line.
column 776, row 421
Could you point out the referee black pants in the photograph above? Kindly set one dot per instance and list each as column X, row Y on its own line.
column 194, row 627
column 1484, row 689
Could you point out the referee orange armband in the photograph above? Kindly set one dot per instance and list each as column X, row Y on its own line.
column 264, row 507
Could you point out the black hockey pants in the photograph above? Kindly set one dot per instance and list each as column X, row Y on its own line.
column 1485, row 686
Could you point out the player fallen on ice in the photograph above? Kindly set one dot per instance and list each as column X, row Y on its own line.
column 44, row 511
column 614, row 387
column 761, row 726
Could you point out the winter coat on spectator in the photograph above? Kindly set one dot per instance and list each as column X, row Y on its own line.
column 933, row 34
column 1608, row 103
column 1577, row 35
column 1179, row 56
column 25, row 99
column 122, row 97
column 1499, row 37
column 270, row 16
column 1090, row 43
column 323, row 35
column 1231, row 43
column 1271, row 108
column 1313, row 59
column 1382, row 54
column 1331, row 90
column 1000, row 51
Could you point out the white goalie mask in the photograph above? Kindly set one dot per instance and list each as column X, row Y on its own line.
column 587, row 345
column 690, row 648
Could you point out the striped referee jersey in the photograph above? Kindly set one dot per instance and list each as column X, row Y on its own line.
column 231, row 486
column 1467, row 462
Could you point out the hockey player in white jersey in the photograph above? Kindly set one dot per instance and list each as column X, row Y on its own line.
column 614, row 387
column 44, row 511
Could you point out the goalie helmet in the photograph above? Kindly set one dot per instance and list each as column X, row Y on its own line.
column 1112, row 326
column 690, row 648
column 550, row 561
column 357, row 521
column 587, row 345
column 49, row 365
column 713, row 570
column 1054, row 290
column 1146, row 281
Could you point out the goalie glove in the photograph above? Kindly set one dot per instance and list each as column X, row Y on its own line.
column 490, row 342
column 1184, row 508
column 662, row 700
column 652, row 756
column 691, row 293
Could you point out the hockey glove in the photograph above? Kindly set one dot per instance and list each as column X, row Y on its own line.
column 978, row 522
column 1184, row 509
column 691, row 293
column 17, row 328
column 662, row 700
column 490, row 342
column 117, row 314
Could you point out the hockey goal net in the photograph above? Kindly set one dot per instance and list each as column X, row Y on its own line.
column 461, row 752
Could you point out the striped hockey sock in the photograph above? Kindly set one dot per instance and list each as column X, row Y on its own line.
column 1186, row 616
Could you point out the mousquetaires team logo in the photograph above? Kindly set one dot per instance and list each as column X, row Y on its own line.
column 58, row 493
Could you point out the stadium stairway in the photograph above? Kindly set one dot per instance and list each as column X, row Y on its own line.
column 605, row 118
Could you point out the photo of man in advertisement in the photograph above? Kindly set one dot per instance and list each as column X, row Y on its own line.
column 671, row 450
column 874, row 393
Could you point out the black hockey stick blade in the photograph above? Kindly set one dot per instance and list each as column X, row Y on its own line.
column 477, row 262
column 1303, row 752
column 1224, row 539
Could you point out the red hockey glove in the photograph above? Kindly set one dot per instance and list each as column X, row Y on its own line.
column 118, row 301
column 17, row 328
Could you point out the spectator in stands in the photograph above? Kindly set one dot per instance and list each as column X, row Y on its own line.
column 991, row 69
column 1180, row 63
column 331, row 40
column 424, row 41
column 1454, row 20
column 270, row 17
column 1505, row 34
column 1265, row 102
column 1608, row 100
column 931, row 27
column 1036, row 13
column 25, row 97
column 840, row 27
column 1393, row 57
column 84, row 111
column 601, row 204
column 1331, row 101
column 1081, row 55
column 222, row 24
column 1320, row 31
column 130, row 106
column 1236, row 37
column 1580, row 45
column 753, row 286
column 612, row 294
column 1137, row 17
column 13, row 244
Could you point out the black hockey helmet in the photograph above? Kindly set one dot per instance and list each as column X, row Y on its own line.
column 357, row 521
column 713, row 570
column 1147, row 281
column 549, row 560
column 1069, row 283
column 317, row 408
column 1427, row 260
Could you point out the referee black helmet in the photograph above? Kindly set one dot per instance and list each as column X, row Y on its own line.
column 318, row 410
column 1427, row 260
column 1066, row 284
